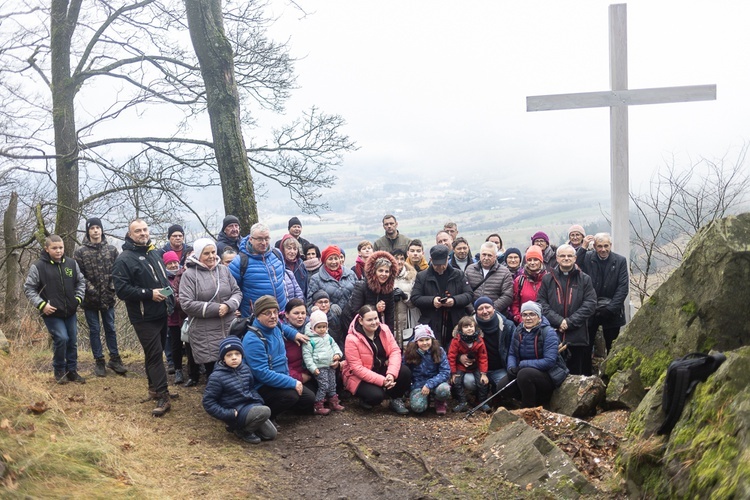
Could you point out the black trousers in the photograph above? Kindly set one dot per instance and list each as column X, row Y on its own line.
column 579, row 359
column 175, row 341
column 533, row 387
column 373, row 395
column 610, row 334
column 281, row 400
column 153, row 335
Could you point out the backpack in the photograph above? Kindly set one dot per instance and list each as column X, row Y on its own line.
column 682, row 376
column 240, row 326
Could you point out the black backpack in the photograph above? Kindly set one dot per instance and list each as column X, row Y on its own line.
column 240, row 326
column 682, row 376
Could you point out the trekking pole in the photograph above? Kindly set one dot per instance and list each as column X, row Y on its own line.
column 477, row 407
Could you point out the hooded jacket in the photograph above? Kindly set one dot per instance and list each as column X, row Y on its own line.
column 427, row 372
column 60, row 284
column 339, row 291
column 267, row 359
column 357, row 367
column 371, row 291
column 138, row 270
column 96, row 261
column 568, row 297
column 229, row 389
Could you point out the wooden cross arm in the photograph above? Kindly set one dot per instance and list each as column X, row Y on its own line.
column 610, row 98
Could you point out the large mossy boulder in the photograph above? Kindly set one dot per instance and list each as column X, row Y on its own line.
column 707, row 455
column 703, row 305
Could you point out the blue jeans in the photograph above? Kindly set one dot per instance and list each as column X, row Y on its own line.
column 64, row 333
column 495, row 376
column 108, row 319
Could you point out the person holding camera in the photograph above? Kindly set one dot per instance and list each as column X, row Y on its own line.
column 442, row 294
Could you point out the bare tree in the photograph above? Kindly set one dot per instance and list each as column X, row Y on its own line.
column 677, row 204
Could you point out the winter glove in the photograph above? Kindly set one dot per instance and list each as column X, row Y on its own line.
column 398, row 295
column 512, row 373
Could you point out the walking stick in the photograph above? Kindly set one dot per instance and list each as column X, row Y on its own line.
column 477, row 407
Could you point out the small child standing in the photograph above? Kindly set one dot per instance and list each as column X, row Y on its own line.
column 467, row 341
column 56, row 286
column 230, row 397
column 430, row 371
column 322, row 355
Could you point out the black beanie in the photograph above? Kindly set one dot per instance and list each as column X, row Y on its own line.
column 229, row 219
column 294, row 221
column 93, row 221
column 175, row 228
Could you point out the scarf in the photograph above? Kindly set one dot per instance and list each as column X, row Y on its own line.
column 311, row 264
column 337, row 274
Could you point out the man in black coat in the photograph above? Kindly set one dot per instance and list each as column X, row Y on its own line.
column 442, row 295
column 568, row 301
column 609, row 275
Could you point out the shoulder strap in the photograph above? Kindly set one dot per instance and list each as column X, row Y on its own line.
column 243, row 267
column 263, row 339
column 483, row 279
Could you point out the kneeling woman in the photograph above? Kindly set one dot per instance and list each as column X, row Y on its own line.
column 373, row 370
column 532, row 360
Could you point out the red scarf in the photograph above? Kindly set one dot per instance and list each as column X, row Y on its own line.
column 337, row 274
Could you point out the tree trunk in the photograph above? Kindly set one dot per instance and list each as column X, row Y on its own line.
column 63, row 21
column 215, row 56
column 12, row 266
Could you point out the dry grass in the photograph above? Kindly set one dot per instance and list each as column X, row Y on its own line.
column 98, row 440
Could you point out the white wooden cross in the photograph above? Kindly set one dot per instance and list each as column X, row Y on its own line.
column 618, row 99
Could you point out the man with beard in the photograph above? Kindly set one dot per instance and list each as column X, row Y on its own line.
column 229, row 235
column 392, row 239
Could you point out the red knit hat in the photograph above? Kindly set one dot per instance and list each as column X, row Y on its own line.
column 535, row 252
column 330, row 250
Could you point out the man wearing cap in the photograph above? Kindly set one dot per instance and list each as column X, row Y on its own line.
column 489, row 278
column 295, row 229
column 267, row 359
column 392, row 239
column 229, row 235
column 568, row 300
column 96, row 258
column 264, row 272
column 176, row 243
column 442, row 295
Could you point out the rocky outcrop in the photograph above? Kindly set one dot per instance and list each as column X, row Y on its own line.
column 707, row 455
column 702, row 306
column 625, row 390
column 578, row 396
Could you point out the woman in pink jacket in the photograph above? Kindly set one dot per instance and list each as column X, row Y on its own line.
column 373, row 370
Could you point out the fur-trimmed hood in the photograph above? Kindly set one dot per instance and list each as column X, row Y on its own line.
column 372, row 279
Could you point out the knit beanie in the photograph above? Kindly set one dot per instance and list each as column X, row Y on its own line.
column 175, row 228
column 320, row 294
column 230, row 343
column 318, row 317
column 229, row 219
column 294, row 221
column 513, row 250
column 539, row 235
column 576, row 228
column 533, row 307
column 482, row 300
column 422, row 331
column 265, row 303
column 170, row 256
column 330, row 250
column 93, row 221
column 200, row 244
column 536, row 252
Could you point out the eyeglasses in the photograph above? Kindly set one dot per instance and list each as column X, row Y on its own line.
column 566, row 256
column 270, row 312
column 528, row 315
column 267, row 238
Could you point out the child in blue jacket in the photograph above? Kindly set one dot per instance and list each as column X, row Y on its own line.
column 230, row 396
column 430, row 371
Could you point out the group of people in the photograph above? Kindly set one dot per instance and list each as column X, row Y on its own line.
column 401, row 324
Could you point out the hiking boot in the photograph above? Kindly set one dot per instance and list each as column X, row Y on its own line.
column 170, row 368
column 441, row 407
column 397, row 405
column 152, row 394
column 191, row 382
column 99, row 369
column 162, row 405
column 179, row 377
column 319, row 409
column 60, row 377
column 115, row 364
column 74, row 377
column 333, row 404
column 364, row 405
column 248, row 437
column 461, row 407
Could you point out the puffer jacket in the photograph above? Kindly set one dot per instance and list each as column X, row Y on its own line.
column 300, row 274
column 319, row 351
column 229, row 389
column 525, row 288
column 293, row 290
column 459, row 347
column 527, row 351
column 571, row 298
column 268, row 359
column 295, row 363
column 428, row 373
column 137, row 272
column 338, row 291
column 96, row 261
column 360, row 359
column 264, row 276
column 202, row 292
column 498, row 286
column 371, row 291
